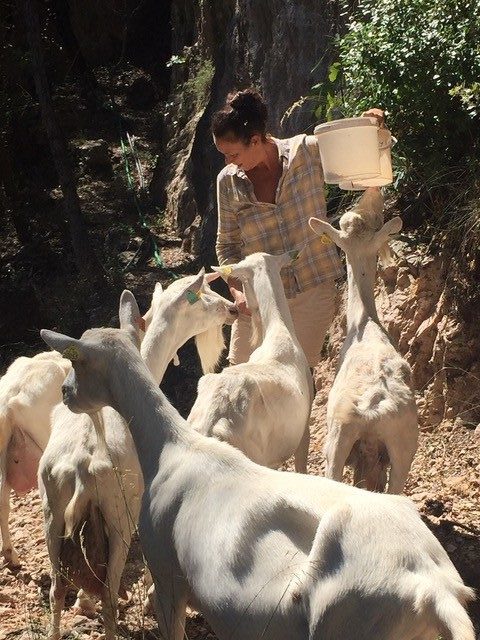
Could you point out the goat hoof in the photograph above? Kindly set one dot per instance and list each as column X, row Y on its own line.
column 11, row 559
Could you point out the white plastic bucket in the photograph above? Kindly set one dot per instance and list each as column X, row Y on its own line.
column 355, row 153
column 385, row 143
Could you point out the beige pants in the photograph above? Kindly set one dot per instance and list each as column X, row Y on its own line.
column 312, row 313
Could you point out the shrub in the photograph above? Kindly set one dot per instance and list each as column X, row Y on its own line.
column 420, row 61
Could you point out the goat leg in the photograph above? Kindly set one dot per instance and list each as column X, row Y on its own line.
column 338, row 445
column 117, row 556
column 301, row 454
column 8, row 552
column 58, row 591
column 401, row 457
column 170, row 596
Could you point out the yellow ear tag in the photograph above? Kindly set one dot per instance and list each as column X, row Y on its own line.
column 294, row 254
column 226, row 271
column 325, row 239
column 71, row 353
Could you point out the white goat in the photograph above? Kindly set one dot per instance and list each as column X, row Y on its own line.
column 371, row 412
column 262, row 406
column 91, row 488
column 262, row 553
column 29, row 390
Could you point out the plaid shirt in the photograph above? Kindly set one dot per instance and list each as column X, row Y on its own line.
column 246, row 226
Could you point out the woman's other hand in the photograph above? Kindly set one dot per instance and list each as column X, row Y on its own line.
column 375, row 113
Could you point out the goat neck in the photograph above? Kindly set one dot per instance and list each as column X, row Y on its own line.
column 157, row 357
column 273, row 307
column 361, row 273
column 151, row 419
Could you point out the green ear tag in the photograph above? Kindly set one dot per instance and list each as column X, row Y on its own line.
column 192, row 297
column 294, row 254
column 71, row 353
column 325, row 239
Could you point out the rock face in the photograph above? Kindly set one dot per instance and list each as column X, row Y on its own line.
column 280, row 46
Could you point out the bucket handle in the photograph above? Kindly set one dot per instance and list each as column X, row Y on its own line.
column 385, row 139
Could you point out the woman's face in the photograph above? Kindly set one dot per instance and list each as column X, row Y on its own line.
column 245, row 156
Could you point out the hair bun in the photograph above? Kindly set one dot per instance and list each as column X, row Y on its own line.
column 244, row 115
column 248, row 103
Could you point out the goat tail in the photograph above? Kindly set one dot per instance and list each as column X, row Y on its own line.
column 453, row 620
column 76, row 508
column 221, row 430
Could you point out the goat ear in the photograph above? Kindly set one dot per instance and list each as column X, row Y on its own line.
column 147, row 319
column 195, row 286
column 210, row 277
column 391, row 227
column 130, row 318
column 325, row 229
column 70, row 348
column 158, row 289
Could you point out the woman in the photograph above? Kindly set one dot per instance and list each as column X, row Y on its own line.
column 266, row 195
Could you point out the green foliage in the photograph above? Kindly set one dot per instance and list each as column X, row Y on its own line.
column 198, row 86
column 419, row 60
column 193, row 94
column 326, row 92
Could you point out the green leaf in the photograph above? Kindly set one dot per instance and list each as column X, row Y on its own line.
column 333, row 71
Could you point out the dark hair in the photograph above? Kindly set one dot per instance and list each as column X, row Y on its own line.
column 244, row 114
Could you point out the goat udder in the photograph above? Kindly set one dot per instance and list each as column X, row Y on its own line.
column 23, row 457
